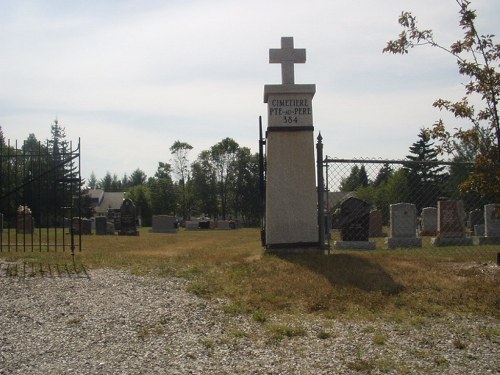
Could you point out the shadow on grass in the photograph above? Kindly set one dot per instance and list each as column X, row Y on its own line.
column 349, row 270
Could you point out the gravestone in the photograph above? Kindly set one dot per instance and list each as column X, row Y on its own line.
column 128, row 223
column 451, row 225
column 475, row 222
column 76, row 225
column 86, row 226
column 225, row 224
column 475, row 217
column 164, row 224
column 101, row 225
column 114, row 217
column 205, row 224
column 291, row 217
column 491, row 225
column 376, row 221
column 403, row 218
column 428, row 221
column 110, row 228
column 192, row 224
column 354, row 225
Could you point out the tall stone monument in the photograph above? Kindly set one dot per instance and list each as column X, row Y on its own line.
column 291, row 217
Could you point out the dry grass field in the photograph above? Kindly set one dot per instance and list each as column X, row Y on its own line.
column 398, row 285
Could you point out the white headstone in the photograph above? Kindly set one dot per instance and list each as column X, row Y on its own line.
column 403, row 218
column 492, row 220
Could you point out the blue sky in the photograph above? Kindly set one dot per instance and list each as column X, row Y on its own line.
column 130, row 77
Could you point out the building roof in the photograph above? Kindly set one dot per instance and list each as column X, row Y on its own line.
column 110, row 200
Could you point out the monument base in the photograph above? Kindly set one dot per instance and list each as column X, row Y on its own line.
column 451, row 241
column 354, row 245
column 486, row 240
column 295, row 248
column 393, row 242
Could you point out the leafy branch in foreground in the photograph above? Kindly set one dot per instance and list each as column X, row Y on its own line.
column 478, row 58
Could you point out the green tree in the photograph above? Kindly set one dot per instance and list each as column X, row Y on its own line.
column 425, row 176
column 223, row 156
column 383, row 174
column 138, row 177
column 179, row 151
column 246, row 187
column 141, row 197
column 92, row 182
column 393, row 190
column 356, row 179
column 162, row 191
column 204, row 185
column 477, row 58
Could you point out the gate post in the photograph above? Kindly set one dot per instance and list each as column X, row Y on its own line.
column 321, row 192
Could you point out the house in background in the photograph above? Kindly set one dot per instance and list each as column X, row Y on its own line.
column 102, row 201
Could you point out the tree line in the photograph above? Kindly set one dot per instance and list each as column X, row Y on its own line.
column 222, row 182
column 419, row 179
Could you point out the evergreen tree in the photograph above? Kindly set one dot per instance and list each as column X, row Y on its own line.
column 92, row 182
column 425, row 176
column 383, row 174
column 356, row 179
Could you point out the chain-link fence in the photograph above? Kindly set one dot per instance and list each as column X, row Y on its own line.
column 414, row 205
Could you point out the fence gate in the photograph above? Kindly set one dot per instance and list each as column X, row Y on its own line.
column 40, row 194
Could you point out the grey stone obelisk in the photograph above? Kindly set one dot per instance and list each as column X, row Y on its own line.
column 291, row 216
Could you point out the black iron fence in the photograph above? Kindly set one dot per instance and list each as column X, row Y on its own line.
column 404, row 204
column 40, row 197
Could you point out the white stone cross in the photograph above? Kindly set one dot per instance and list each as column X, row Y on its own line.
column 287, row 56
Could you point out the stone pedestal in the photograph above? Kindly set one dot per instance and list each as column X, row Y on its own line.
column 291, row 217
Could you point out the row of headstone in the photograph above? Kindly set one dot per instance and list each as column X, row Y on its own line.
column 446, row 223
column 211, row 224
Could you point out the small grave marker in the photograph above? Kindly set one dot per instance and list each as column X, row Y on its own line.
column 403, row 218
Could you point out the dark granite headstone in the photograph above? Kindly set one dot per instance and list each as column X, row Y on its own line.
column 128, row 225
column 354, row 220
column 100, row 225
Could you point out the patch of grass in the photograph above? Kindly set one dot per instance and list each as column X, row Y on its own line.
column 200, row 288
column 322, row 335
column 278, row 332
column 259, row 316
column 459, row 344
column 441, row 362
column 399, row 285
column 362, row 365
column 379, row 339
column 209, row 344
column 144, row 332
column 233, row 309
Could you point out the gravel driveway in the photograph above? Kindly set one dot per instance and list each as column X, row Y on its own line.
column 118, row 323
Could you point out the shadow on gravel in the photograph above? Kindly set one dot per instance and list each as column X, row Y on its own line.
column 25, row 269
column 349, row 270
